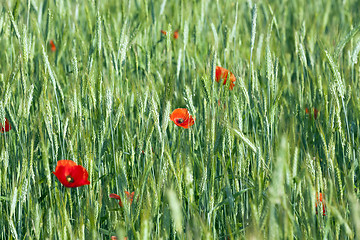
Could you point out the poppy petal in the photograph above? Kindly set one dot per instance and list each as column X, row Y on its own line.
column 188, row 123
column 61, row 173
column 7, row 126
column 179, row 113
column 113, row 195
column 65, row 163
column 70, row 174
column 52, row 45
column 182, row 118
column 63, row 169
column 130, row 197
column 222, row 73
column 79, row 176
column 319, row 200
column 315, row 113
column 117, row 197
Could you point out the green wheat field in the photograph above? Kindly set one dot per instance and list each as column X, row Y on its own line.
column 96, row 81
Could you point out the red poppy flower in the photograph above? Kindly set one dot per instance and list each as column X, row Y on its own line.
column 315, row 113
column 181, row 118
column 319, row 200
column 222, row 73
column 52, row 45
column 7, row 126
column 308, row 112
column 221, row 104
column 129, row 196
column 70, row 174
column 176, row 34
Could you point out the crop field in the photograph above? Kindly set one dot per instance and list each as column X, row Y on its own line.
column 184, row 119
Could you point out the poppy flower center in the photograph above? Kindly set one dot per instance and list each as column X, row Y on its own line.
column 69, row 179
column 180, row 120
